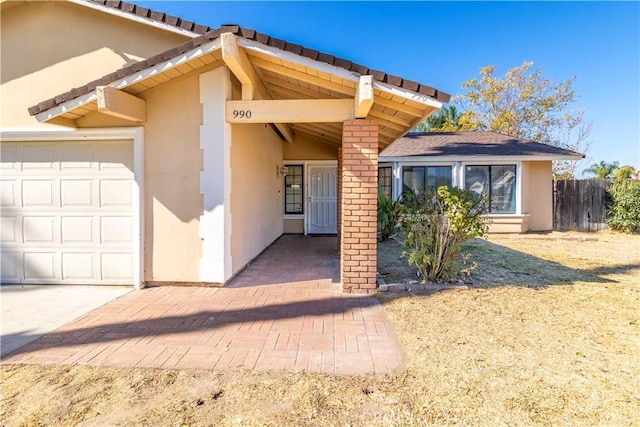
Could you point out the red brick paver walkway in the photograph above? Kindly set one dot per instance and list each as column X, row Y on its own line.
column 285, row 311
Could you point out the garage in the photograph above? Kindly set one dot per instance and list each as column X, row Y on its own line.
column 68, row 212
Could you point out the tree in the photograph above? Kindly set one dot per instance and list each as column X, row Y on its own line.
column 625, row 173
column 527, row 105
column 445, row 120
column 602, row 170
column 435, row 228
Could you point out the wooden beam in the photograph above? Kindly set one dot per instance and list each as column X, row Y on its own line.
column 239, row 64
column 363, row 99
column 304, row 77
column 289, row 111
column 63, row 121
column 120, row 104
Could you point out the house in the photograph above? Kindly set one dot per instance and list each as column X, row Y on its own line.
column 142, row 149
column 515, row 173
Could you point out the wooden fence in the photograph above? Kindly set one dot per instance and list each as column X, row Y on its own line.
column 580, row 205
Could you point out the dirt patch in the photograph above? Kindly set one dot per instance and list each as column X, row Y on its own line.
column 548, row 334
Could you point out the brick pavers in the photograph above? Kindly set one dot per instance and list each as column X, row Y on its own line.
column 284, row 311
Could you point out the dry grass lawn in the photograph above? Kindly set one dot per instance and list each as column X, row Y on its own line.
column 547, row 334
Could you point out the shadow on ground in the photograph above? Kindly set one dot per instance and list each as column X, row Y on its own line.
column 498, row 265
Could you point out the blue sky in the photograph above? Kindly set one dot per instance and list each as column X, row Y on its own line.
column 443, row 44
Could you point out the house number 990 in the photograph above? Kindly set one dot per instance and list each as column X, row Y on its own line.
column 241, row 114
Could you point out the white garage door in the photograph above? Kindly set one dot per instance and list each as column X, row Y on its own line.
column 67, row 212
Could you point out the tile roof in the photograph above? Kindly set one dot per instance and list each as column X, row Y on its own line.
column 476, row 143
column 208, row 35
column 155, row 15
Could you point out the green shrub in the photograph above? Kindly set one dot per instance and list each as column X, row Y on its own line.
column 437, row 226
column 388, row 215
column 623, row 213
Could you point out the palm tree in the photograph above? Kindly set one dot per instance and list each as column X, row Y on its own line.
column 602, row 170
column 445, row 120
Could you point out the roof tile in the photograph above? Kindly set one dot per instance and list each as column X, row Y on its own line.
column 262, row 38
column 394, row 80
column 343, row 63
column 171, row 20
column 377, row 75
column 277, row 43
column 426, row 90
column 158, row 16
column 247, row 33
column 292, row 47
column 127, row 7
column 310, row 53
column 411, row 85
column 325, row 57
column 141, row 11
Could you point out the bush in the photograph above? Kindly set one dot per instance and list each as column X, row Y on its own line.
column 388, row 215
column 624, row 209
column 437, row 226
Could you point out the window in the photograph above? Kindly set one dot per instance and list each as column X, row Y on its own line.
column 421, row 179
column 498, row 182
column 293, row 185
column 384, row 180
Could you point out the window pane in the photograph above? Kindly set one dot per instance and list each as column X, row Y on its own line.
column 476, row 179
column 293, row 187
column 439, row 176
column 413, row 181
column 503, row 189
column 497, row 182
column 384, row 180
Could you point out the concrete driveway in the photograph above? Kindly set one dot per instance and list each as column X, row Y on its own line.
column 31, row 311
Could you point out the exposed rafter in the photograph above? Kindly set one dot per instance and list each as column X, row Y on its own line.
column 120, row 104
column 363, row 99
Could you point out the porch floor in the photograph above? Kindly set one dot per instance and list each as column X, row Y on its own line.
column 286, row 310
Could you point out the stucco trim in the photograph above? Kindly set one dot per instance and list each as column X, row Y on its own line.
column 215, row 178
column 134, row 133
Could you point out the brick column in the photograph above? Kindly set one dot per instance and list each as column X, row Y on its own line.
column 358, row 247
column 339, row 207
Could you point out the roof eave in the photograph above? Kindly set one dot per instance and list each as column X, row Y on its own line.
column 476, row 158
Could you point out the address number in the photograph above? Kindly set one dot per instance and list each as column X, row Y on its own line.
column 241, row 114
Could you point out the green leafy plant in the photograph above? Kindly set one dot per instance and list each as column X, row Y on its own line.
column 623, row 213
column 388, row 215
column 436, row 227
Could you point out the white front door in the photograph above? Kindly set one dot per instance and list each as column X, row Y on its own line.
column 323, row 200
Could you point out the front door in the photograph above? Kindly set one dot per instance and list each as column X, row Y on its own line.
column 323, row 201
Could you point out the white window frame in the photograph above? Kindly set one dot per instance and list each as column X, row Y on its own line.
column 517, row 164
column 402, row 165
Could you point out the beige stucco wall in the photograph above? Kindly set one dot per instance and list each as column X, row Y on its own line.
column 257, row 202
column 508, row 223
column 539, row 186
column 50, row 47
column 293, row 226
column 306, row 148
column 173, row 203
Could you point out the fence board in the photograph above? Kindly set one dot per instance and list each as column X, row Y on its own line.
column 580, row 205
